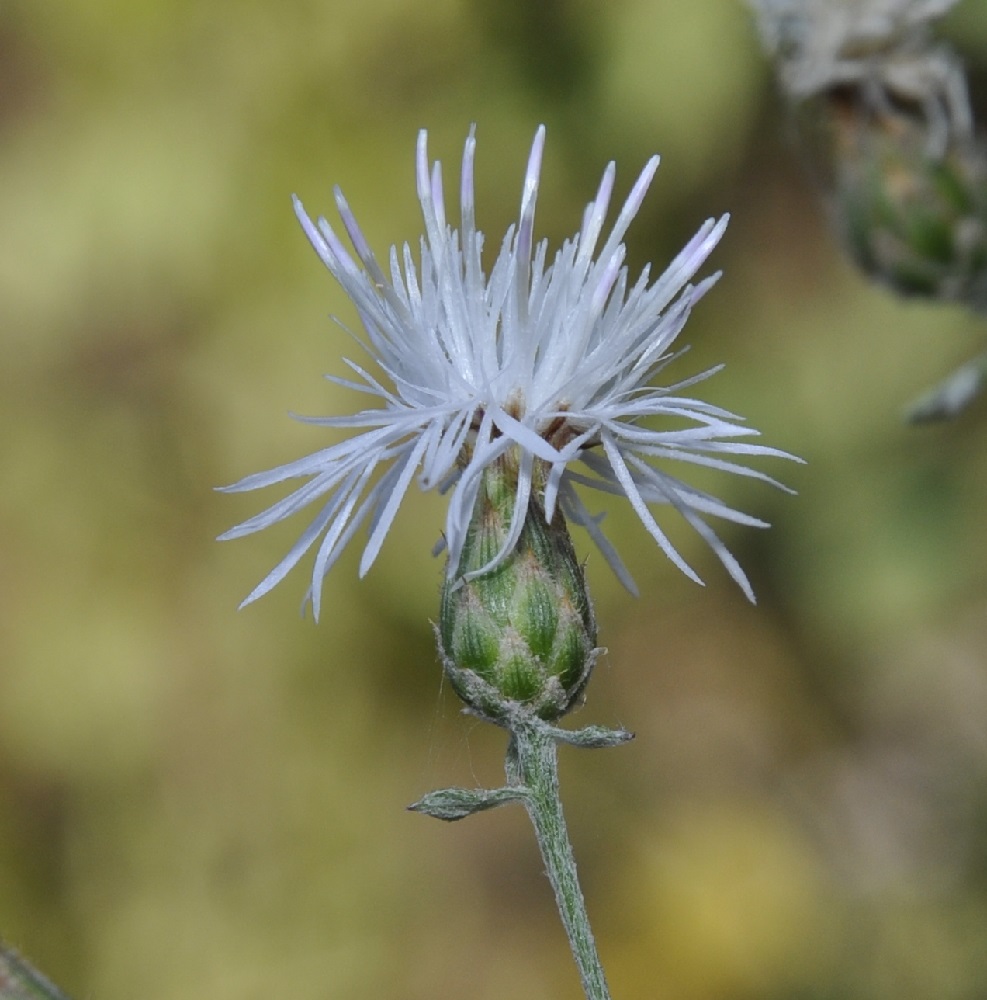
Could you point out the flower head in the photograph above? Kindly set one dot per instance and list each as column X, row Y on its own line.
column 544, row 364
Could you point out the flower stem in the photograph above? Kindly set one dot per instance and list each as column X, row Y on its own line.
column 533, row 778
column 532, row 764
column 19, row 981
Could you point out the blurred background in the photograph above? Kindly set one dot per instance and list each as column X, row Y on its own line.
column 196, row 802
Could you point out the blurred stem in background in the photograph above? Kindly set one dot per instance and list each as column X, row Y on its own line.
column 19, row 981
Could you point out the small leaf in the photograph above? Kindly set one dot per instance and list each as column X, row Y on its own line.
column 457, row 803
column 592, row 737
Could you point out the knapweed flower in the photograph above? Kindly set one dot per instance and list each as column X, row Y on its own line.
column 543, row 363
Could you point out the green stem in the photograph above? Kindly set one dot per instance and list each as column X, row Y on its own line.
column 19, row 981
column 532, row 764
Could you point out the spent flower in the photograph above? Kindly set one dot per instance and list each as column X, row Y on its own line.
column 884, row 47
column 546, row 364
column 882, row 109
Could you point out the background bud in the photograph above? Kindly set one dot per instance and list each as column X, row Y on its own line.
column 912, row 216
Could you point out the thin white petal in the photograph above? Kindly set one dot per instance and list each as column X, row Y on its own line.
column 574, row 509
column 640, row 507
column 328, row 550
column 408, row 466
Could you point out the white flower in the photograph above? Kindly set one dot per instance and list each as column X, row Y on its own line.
column 548, row 360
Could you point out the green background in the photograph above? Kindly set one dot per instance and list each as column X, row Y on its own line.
column 200, row 803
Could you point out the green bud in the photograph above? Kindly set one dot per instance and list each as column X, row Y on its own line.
column 913, row 216
column 522, row 636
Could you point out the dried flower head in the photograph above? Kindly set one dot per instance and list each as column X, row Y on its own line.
column 882, row 48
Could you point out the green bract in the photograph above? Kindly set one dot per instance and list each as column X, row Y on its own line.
column 521, row 636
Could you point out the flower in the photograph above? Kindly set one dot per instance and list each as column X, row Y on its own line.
column 544, row 364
